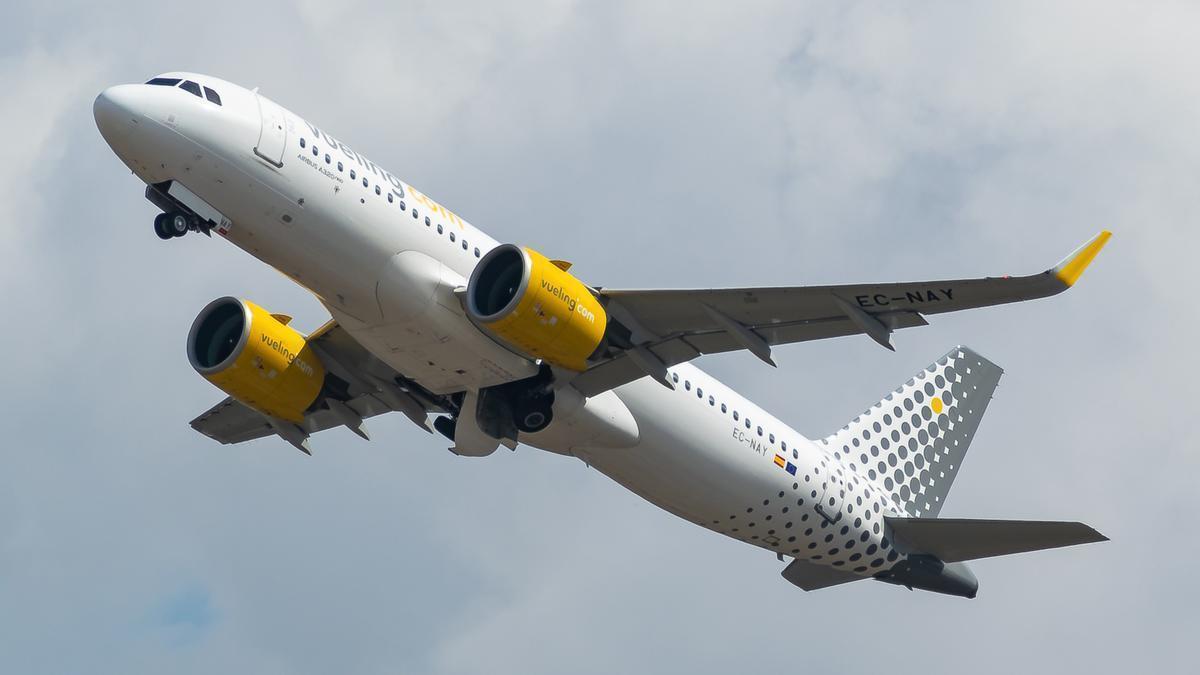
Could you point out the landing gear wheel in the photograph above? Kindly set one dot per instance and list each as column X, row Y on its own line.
column 177, row 224
column 160, row 226
column 533, row 416
column 535, row 421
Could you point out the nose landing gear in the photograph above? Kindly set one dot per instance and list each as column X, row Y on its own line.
column 171, row 225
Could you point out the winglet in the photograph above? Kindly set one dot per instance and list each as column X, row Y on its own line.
column 1071, row 268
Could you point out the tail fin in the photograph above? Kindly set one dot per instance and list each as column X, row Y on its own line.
column 911, row 444
column 960, row 539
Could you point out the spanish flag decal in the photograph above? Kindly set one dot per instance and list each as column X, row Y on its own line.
column 780, row 461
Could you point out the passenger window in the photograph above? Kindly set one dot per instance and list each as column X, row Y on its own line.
column 316, row 151
column 401, row 204
column 426, row 221
column 699, row 392
column 451, row 236
column 328, row 159
column 377, row 190
column 164, row 81
column 339, row 166
column 687, row 385
column 415, row 215
column 191, row 87
column 772, row 439
column 712, row 401
column 674, row 376
column 365, row 181
column 735, row 415
column 439, row 228
column 760, row 431
column 476, row 251
column 795, row 454
column 724, row 409
column 783, row 445
column 465, row 247
column 389, row 198
column 212, row 96
column 302, row 142
column 352, row 174
column 747, row 422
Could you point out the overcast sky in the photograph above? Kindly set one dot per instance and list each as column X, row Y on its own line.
column 725, row 144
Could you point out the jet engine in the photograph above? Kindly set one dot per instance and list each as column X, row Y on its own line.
column 535, row 306
column 256, row 358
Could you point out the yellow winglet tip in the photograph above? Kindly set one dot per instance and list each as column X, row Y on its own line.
column 1071, row 268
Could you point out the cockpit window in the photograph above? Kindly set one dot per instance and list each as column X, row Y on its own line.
column 192, row 87
column 212, row 96
column 164, row 81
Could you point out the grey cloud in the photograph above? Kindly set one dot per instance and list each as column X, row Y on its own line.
column 653, row 146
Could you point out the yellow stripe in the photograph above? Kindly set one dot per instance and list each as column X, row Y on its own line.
column 1069, row 270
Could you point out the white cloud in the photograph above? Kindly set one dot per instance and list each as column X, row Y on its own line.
column 654, row 145
column 41, row 85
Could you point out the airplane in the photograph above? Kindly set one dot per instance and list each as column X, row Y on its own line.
column 493, row 344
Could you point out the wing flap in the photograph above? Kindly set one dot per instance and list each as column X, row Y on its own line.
column 672, row 350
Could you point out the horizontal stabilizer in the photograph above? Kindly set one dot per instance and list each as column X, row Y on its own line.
column 958, row 539
column 811, row 576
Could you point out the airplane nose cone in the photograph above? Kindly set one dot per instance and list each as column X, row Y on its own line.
column 116, row 111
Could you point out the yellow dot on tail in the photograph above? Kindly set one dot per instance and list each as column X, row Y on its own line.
column 936, row 404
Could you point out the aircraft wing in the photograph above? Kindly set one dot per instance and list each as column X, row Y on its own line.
column 667, row 327
column 232, row 422
column 364, row 387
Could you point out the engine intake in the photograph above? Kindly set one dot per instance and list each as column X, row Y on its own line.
column 256, row 358
column 531, row 303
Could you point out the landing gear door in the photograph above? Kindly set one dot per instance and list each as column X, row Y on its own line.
column 272, row 137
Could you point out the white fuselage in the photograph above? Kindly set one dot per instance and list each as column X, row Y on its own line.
column 298, row 202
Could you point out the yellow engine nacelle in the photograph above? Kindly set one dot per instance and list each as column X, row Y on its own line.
column 536, row 306
column 256, row 358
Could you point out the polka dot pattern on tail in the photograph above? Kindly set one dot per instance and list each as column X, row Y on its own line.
column 917, row 437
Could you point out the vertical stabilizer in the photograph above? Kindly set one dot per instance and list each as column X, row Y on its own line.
column 911, row 444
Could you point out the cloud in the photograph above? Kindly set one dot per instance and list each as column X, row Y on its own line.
column 35, row 116
column 653, row 145
column 185, row 616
